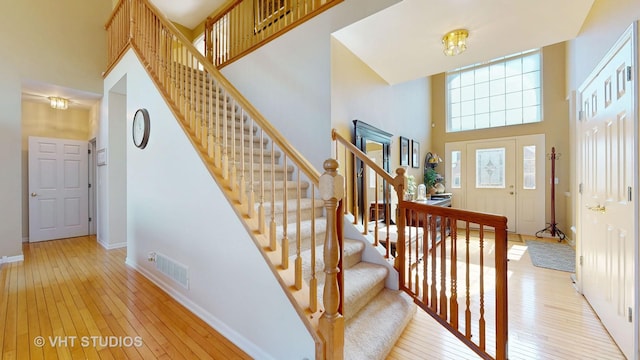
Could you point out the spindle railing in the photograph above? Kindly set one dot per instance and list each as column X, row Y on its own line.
column 453, row 262
column 273, row 189
column 244, row 25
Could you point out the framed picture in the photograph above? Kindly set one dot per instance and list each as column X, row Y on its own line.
column 415, row 154
column 404, row 151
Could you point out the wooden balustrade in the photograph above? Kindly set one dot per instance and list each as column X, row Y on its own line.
column 119, row 28
column 247, row 156
column 242, row 26
column 444, row 268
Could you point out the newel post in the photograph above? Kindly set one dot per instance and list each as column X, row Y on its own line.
column 400, row 184
column 331, row 323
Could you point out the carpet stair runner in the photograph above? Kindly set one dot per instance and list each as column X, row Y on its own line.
column 375, row 316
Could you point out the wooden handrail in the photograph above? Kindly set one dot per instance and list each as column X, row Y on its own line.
column 221, row 12
column 428, row 271
column 276, row 136
column 227, row 131
column 115, row 12
column 241, row 30
column 426, row 255
column 362, row 156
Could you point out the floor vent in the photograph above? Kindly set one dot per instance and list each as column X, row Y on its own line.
column 173, row 269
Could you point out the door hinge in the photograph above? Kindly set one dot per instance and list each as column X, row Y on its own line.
column 628, row 73
column 89, row 151
column 90, row 219
column 630, row 315
column 89, row 186
column 580, row 188
column 580, row 115
column 580, row 260
column 630, row 194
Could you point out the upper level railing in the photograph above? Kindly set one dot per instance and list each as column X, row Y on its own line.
column 271, row 186
column 453, row 262
column 244, row 25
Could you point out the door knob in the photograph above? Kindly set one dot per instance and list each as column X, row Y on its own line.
column 34, row 194
column 511, row 193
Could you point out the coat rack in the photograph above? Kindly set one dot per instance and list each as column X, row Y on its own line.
column 553, row 226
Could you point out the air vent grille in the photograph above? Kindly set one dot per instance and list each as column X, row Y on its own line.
column 173, row 269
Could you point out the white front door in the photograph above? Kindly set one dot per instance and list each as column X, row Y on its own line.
column 58, row 188
column 474, row 175
column 606, row 174
column 491, row 183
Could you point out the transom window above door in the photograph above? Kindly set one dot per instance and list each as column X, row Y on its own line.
column 501, row 92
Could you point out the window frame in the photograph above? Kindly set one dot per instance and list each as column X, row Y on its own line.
column 487, row 64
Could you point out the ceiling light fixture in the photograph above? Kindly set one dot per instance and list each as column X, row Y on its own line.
column 455, row 42
column 58, row 102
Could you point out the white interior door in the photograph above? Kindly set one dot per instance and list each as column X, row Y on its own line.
column 607, row 213
column 491, row 183
column 58, row 188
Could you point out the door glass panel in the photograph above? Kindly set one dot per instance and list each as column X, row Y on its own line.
column 529, row 167
column 490, row 171
column 456, row 164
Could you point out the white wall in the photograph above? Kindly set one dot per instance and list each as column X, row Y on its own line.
column 10, row 146
column 357, row 92
column 174, row 207
column 61, row 42
column 605, row 23
column 289, row 79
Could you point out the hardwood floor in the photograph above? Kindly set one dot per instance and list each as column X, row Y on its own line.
column 75, row 291
column 73, row 299
column 548, row 319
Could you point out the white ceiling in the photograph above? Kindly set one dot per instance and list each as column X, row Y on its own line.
column 403, row 42
column 36, row 91
column 189, row 13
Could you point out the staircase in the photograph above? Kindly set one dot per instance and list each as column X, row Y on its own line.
column 291, row 213
column 288, row 208
column 375, row 316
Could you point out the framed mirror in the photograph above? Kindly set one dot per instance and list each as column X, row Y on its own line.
column 376, row 143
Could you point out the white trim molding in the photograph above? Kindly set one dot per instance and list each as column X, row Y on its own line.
column 224, row 329
column 112, row 246
column 11, row 259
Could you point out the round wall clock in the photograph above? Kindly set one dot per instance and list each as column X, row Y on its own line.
column 141, row 127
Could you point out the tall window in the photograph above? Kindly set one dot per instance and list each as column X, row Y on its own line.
column 501, row 92
column 529, row 167
column 456, row 164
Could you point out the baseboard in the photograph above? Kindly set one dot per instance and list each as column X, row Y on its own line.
column 10, row 259
column 112, row 246
column 247, row 346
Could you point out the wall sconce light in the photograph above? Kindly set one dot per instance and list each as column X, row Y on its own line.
column 455, row 42
column 58, row 102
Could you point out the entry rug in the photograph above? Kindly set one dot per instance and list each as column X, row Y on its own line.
column 552, row 255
